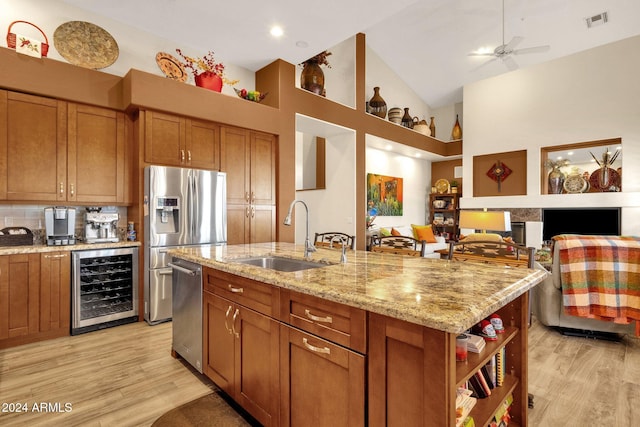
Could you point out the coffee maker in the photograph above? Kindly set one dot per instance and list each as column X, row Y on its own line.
column 101, row 226
column 60, row 224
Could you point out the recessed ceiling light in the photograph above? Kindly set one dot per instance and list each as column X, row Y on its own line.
column 276, row 31
column 388, row 147
column 417, row 154
column 302, row 44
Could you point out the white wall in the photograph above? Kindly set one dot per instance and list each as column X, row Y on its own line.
column 588, row 96
column 416, row 176
column 334, row 208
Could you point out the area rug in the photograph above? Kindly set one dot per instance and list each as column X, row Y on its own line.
column 211, row 410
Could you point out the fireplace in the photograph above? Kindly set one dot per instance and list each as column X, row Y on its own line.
column 598, row 221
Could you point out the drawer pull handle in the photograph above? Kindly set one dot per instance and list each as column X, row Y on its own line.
column 233, row 324
column 226, row 318
column 55, row 256
column 235, row 290
column 323, row 350
column 327, row 319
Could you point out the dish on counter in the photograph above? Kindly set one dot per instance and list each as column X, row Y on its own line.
column 442, row 186
column 171, row 67
column 85, row 44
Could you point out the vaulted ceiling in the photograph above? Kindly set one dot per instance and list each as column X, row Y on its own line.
column 426, row 42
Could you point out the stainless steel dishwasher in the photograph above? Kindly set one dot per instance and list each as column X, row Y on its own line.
column 187, row 311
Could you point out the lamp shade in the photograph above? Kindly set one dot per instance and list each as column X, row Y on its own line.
column 485, row 220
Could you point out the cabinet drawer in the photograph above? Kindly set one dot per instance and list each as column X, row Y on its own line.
column 335, row 322
column 257, row 296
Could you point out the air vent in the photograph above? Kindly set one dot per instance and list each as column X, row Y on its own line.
column 598, row 19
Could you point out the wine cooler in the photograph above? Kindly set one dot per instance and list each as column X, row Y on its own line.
column 105, row 289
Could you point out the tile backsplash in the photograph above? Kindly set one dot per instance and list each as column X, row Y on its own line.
column 32, row 217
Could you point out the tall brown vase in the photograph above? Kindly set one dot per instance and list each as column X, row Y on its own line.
column 407, row 120
column 432, row 127
column 312, row 78
column 456, row 132
column 377, row 105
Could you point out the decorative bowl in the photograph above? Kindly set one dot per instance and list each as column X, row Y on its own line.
column 251, row 95
column 439, row 204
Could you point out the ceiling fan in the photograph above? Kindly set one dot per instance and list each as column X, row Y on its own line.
column 505, row 51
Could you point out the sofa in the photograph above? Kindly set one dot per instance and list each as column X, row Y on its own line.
column 408, row 231
column 548, row 308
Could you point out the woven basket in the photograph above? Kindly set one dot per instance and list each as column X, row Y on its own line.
column 11, row 37
column 7, row 239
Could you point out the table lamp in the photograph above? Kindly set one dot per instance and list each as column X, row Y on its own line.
column 485, row 220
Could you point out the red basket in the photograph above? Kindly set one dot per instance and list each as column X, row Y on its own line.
column 11, row 37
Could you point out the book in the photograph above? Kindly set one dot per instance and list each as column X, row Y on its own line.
column 483, row 382
column 487, row 376
column 491, row 367
column 476, row 343
column 462, row 413
column 476, row 387
column 462, row 394
column 469, row 422
column 500, row 366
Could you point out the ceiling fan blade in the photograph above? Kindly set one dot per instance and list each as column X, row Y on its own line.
column 510, row 63
column 513, row 43
column 484, row 64
column 481, row 54
column 534, row 49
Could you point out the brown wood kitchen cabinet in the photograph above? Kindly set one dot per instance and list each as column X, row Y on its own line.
column 60, row 152
column 179, row 141
column 249, row 159
column 34, row 297
column 240, row 342
column 323, row 383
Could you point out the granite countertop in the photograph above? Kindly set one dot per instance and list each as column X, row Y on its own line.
column 30, row 249
column 450, row 296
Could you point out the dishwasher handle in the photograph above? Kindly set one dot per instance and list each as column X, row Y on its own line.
column 184, row 270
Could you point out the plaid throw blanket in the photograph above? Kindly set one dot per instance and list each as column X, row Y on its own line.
column 600, row 277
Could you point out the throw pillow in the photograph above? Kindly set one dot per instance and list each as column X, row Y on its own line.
column 395, row 232
column 385, row 232
column 424, row 232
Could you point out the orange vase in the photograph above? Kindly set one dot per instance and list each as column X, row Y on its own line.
column 209, row 80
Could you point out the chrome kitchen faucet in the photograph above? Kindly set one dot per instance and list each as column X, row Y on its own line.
column 308, row 247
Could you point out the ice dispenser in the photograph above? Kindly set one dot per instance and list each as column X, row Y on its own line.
column 167, row 213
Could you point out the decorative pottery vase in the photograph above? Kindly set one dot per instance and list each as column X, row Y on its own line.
column 432, row 127
column 422, row 127
column 555, row 180
column 456, row 132
column 209, row 80
column 377, row 105
column 408, row 121
column 395, row 115
column 312, row 78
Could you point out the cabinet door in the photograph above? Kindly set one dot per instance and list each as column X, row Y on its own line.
column 257, row 366
column 96, row 155
column 55, row 292
column 318, row 379
column 263, row 223
column 164, row 139
column 203, row 145
column 238, row 224
column 219, row 342
column 263, row 169
column 235, row 161
column 34, row 149
column 19, row 295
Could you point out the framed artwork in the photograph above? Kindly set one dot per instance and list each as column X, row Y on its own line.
column 384, row 195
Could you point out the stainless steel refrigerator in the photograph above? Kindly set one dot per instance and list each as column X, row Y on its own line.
column 182, row 207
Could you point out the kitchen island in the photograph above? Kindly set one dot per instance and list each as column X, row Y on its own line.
column 381, row 327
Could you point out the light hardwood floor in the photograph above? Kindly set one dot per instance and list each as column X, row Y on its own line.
column 125, row 376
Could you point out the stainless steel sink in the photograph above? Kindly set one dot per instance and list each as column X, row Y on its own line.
column 281, row 263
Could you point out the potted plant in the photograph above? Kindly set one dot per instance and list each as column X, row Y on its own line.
column 206, row 71
column 454, row 186
column 312, row 77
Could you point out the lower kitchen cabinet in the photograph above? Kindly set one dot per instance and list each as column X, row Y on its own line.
column 34, row 297
column 241, row 356
column 323, row 384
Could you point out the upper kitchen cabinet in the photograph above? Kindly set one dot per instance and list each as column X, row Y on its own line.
column 249, row 159
column 55, row 151
column 33, row 144
column 96, row 155
column 177, row 141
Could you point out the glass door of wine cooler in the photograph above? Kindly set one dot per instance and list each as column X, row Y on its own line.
column 105, row 288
